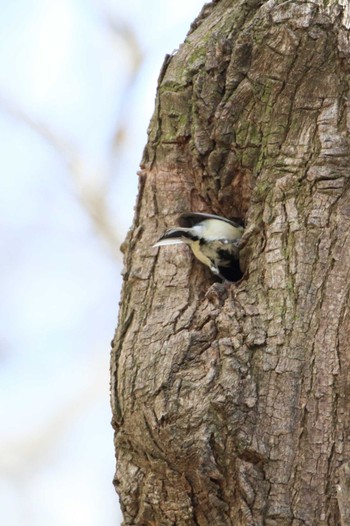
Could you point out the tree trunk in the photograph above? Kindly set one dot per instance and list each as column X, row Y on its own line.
column 231, row 402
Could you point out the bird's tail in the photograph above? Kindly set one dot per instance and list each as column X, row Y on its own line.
column 175, row 236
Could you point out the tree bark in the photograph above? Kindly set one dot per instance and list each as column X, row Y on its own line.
column 231, row 402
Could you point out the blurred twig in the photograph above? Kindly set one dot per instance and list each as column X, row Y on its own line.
column 122, row 30
column 93, row 196
column 23, row 456
column 92, row 185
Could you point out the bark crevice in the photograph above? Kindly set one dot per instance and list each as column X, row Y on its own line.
column 231, row 403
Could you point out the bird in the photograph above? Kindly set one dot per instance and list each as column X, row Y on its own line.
column 214, row 240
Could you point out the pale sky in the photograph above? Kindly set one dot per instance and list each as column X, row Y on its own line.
column 64, row 72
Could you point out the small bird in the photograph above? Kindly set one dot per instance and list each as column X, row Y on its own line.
column 214, row 240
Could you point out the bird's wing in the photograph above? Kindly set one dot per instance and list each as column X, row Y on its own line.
column 190, row 219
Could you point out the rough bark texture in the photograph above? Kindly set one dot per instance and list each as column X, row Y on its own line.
column 231, row 403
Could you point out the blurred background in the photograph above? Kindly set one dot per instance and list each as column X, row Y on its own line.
column 77, row 87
